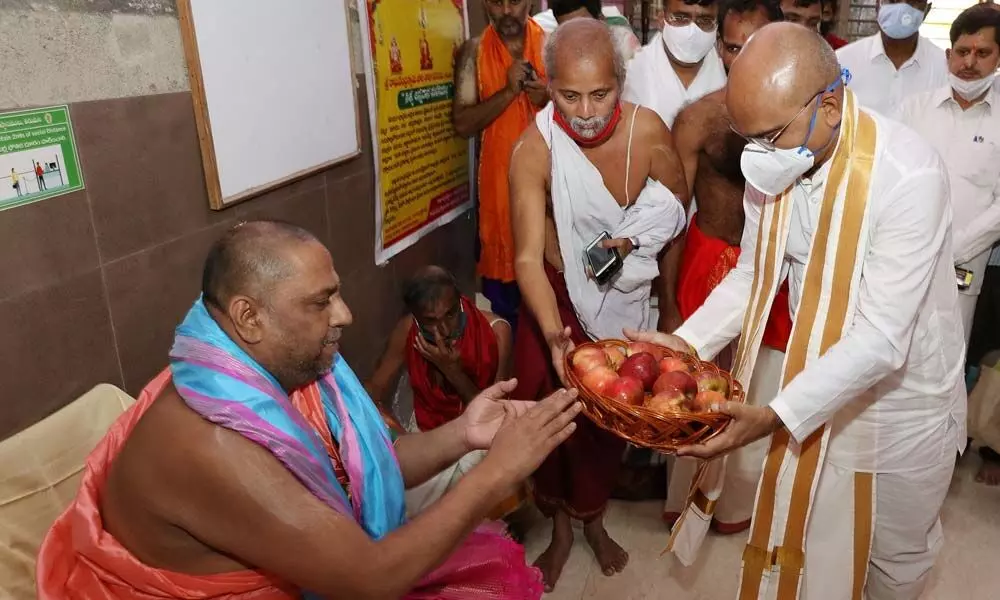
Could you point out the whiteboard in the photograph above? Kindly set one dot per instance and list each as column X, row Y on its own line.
column 273, row 88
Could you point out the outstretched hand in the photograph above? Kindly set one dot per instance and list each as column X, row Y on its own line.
column 525, row 440
column 487, row 411
column 667, row 340
column 749, row 424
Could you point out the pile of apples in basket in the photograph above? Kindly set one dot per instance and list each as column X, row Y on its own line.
column 642, row 374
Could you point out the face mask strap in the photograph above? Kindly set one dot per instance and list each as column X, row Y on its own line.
column 844, row 73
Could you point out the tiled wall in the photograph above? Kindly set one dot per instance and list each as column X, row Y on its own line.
column 93, row 283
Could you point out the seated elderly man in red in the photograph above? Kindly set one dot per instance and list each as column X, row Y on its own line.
column 452, row 351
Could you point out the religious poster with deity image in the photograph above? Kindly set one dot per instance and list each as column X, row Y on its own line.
column 421, row 166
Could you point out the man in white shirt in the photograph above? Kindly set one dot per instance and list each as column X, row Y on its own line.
column 852, row 208
column 896, row 62
column 680, row 64
column 962, row 121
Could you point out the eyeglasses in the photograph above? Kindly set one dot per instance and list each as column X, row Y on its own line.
column 704, row 22
column 767, row 143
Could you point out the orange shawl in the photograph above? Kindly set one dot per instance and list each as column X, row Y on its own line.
column 498, row 139
column 79, row 560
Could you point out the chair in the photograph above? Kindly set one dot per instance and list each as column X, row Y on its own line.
column 42, row 466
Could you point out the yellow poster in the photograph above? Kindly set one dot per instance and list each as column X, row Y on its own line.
column 422, row 167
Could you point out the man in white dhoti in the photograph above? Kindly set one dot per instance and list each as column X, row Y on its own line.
column 591, row 164
column 853, row 210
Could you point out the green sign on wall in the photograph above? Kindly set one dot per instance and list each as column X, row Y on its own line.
column 38, row 157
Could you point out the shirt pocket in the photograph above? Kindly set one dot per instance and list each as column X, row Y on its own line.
column 982, row 167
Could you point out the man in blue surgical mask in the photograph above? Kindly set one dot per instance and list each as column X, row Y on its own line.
column 852, row 209
column 897, row 62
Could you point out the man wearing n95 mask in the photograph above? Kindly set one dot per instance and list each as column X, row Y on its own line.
column 897, row 62
column 680, row 64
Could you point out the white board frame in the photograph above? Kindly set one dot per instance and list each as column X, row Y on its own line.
column 217, row 200
column 383, row 255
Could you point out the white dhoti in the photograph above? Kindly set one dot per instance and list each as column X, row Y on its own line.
column 743, row 467
column 430, row 491
column 900, row 511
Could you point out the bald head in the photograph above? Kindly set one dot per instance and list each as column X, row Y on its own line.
column 781, row 67
column 583, row 45
column 250, row 259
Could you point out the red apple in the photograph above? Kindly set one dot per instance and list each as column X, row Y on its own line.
column 642, row 366
column 586, row 359
column 599, row 379
column 627, row 390
column 616, row 356
column 637, row 347
column 670, row 363
column 668, row 401
column 704, row 400
column 678, row 380
column 711, row 381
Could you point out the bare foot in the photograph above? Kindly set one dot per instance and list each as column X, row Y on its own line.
column 989, row 473
column 610, row 556
column 552, row 561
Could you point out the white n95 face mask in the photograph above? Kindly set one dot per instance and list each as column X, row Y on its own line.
column 772, row 171
column 900, row 20
column 688, row 44
column 970, row 90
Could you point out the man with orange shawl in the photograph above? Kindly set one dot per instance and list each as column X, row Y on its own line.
column 452, row 351
column 256, row 466
column 500, row 85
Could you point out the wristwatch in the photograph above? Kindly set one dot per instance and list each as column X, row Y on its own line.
column 635, row 242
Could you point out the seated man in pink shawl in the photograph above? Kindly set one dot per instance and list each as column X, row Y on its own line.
column 256, row 466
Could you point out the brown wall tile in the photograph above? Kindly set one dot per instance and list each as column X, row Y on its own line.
column 150, row 292
column 45, row 243
column 142, row 165
column 57, row 344
column 150, row 233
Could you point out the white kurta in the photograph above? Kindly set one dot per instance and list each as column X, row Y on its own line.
column 892, row 386
column 652, row 82
column 969, row 142
column 876, row 81
column 583, row 208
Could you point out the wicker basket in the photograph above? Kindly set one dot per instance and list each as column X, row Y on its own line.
column 664, row 432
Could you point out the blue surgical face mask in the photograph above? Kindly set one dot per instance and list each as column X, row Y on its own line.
column 900, row 20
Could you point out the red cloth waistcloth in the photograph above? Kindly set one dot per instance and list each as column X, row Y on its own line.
column 435, row 404
column 835, row 41
column 578, row 477
column 706, row 262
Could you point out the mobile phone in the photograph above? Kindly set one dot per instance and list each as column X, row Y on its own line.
column 963, row 278
column 605, row 263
